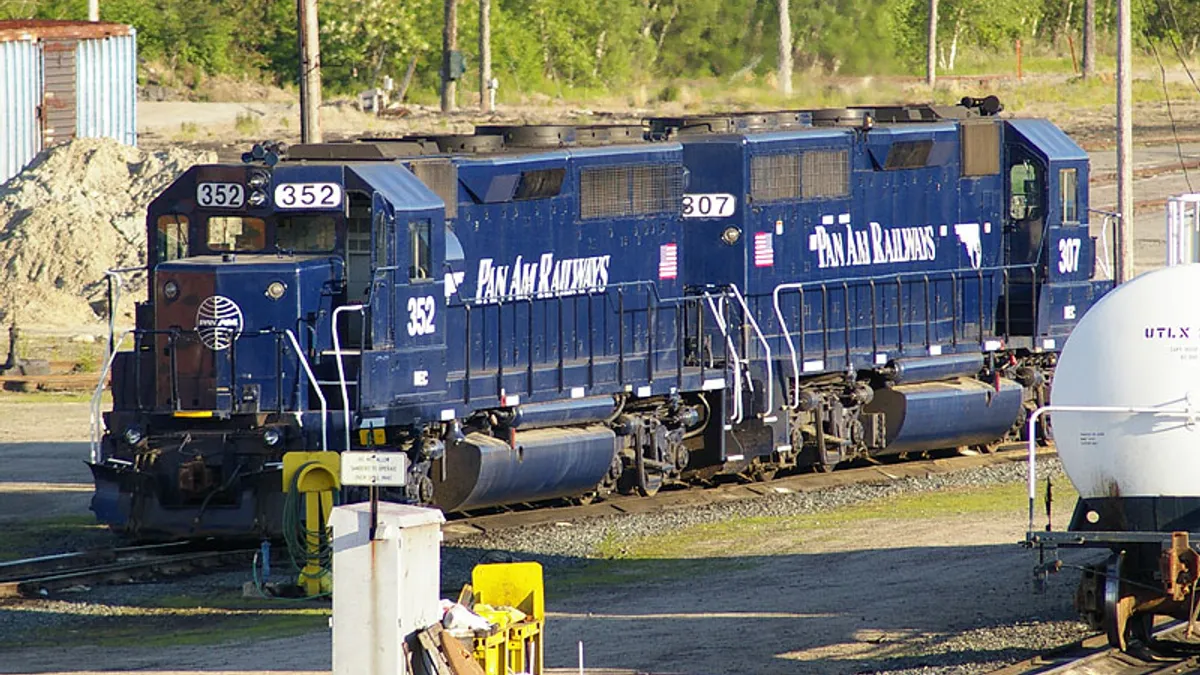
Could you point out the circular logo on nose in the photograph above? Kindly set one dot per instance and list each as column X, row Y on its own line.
column 218, row 322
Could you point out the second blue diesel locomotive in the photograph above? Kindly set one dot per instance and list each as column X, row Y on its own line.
column 527, row 313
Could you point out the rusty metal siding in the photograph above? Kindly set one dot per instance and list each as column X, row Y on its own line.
column 106, row 92
column 20, row 96
column 58, row 91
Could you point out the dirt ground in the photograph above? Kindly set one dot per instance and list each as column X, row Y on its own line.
column 861, row 597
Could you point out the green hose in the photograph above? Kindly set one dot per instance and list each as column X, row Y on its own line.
column 296, row 535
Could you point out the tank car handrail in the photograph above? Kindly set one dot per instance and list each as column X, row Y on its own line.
column 737, row 364
column 1031, row 432
column 313, row 381
column 94, row 431
column 766, row 347
column 341, row 368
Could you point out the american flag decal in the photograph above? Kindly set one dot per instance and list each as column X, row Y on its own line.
column 764, row 249
column 668, row 261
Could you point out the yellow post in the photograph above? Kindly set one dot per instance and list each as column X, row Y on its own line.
column 315, row 475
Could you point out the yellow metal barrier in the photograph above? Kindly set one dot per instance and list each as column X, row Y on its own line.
column 314, row 475
column 518, row 646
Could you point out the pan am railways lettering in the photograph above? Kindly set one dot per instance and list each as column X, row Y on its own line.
column 873, row 246
column 545, row 278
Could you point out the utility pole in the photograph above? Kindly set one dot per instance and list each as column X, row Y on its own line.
column 1124, row 143
column 485, row 55
column 449, row 46
column 931, row 54
column 1089, row 38
column 93, row 10
column 310, row 73
column 785, row 48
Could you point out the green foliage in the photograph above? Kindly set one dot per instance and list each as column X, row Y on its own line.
column 568, row 45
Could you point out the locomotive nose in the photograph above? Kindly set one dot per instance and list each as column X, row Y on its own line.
column 221, row 325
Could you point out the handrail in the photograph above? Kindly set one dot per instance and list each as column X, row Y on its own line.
column 94, row 430
column 900, row 277
column 316, row 387
column 115, row 281
column 766, row 348
column 1133, row 410
column 337, row 354
column 738, row 414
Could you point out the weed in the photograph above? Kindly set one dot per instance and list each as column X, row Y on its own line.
column 188, row 131
column 247, row 124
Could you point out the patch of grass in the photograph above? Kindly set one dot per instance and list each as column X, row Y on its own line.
column 53, row 397
column 247, row 124
column 787, row 534
column 171, row 629
column 188, row 131
column 55, row 535
column 619, row 571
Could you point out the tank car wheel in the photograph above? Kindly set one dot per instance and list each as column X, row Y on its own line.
column 1120, row 623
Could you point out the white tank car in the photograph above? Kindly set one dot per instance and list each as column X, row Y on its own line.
column 1138, row 347
column 1138, row 474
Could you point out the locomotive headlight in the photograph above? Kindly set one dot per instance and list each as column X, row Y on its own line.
column 272, row 436
column 257, row 180
column 171, row 290
column 257, row 198
column 731, row 235
column 276, row 289
column 133, row 435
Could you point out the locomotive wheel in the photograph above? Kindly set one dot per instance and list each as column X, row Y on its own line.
column 638, row 478
column 760, row 471
column 648, row 480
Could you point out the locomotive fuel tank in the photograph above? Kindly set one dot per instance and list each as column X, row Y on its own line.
column 946, row 414
column 534, row 465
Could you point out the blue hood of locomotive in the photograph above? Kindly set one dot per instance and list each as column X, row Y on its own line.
column 233, row 354
column 308, row 283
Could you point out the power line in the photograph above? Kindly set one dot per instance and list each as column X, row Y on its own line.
column 1171, row 116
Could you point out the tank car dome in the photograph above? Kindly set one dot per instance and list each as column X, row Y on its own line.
column 1138, row 347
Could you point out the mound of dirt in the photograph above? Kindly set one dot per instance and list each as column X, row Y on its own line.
column 76, row 211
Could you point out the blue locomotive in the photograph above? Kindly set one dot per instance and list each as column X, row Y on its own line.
column 535, row 312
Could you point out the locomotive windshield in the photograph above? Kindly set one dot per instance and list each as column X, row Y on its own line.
column 305, row 233
column 236, row 233
column 300, row 233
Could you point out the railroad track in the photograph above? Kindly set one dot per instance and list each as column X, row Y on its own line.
column 668, row 500
column 45, row 575
column 1172, row 652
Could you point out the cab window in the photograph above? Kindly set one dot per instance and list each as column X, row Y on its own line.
column 236, row 233
column 1068, row 185
column 1025, row 187
column 172, row 237
column 308, row 233
column 421, row 250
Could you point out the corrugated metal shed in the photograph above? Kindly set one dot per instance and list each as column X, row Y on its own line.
column 106, row 93
column 20, row 96
column 63, row 79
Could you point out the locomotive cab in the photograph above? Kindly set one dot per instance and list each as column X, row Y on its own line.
column 277, row 297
